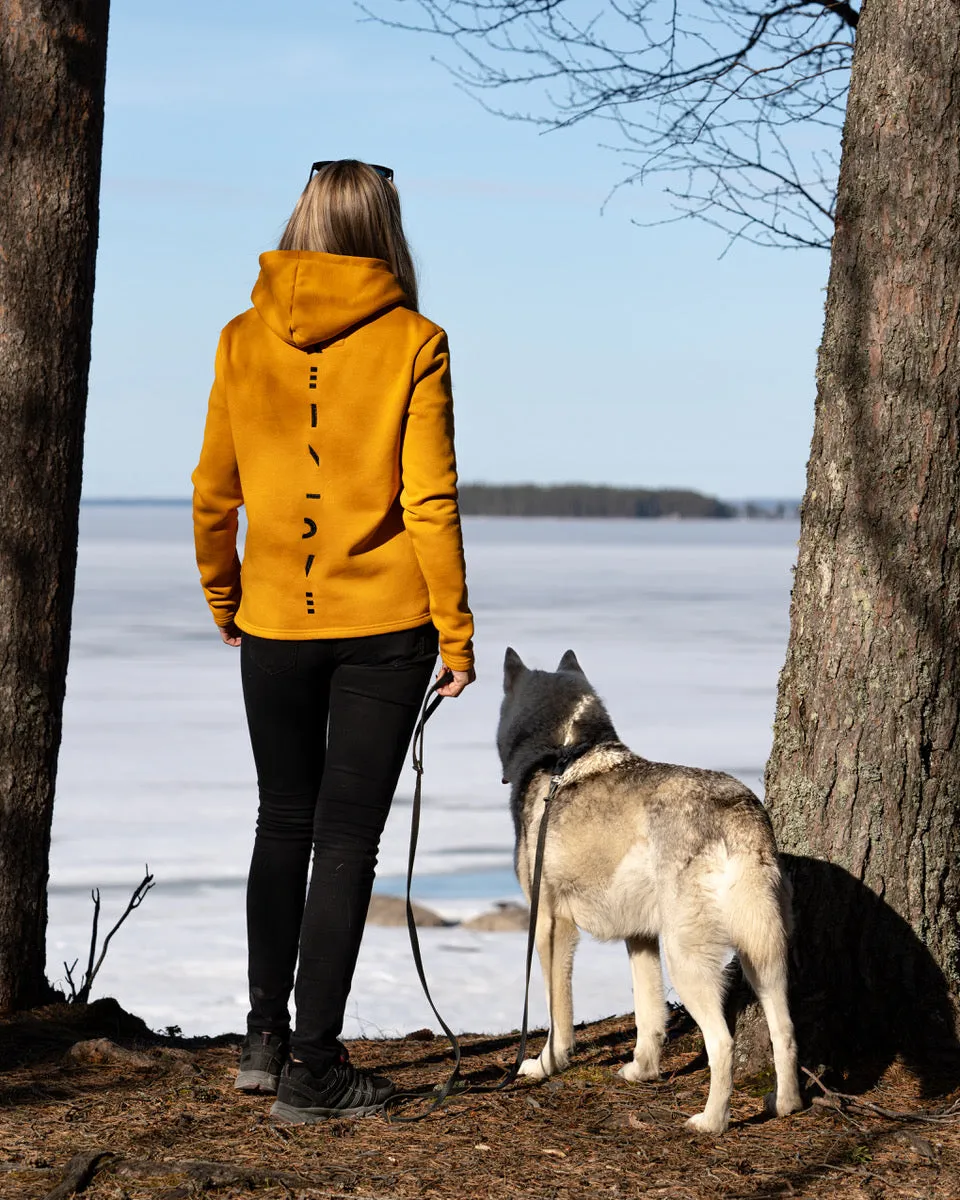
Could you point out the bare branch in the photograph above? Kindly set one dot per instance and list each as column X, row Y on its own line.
column 740, row 97
column 95, row 897
column 82, row 994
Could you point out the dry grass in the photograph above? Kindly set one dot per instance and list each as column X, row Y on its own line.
column 170, row 1113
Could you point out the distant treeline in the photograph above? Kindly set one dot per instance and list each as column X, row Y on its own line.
column 582, row 500
column 565, row 500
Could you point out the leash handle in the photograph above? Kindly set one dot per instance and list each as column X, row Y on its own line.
column 430, row 706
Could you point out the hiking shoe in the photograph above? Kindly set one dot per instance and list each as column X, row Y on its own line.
column 341, row 1091
column 262, row 1056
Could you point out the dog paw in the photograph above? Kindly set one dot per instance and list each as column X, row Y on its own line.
column 634, row 1072
column 776, row 1106
column 532, row 1068
column 701, row 1123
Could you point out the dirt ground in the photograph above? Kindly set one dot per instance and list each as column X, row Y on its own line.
column 128, row 1115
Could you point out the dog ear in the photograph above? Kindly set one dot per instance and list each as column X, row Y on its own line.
column 569, row 663
column 513, row 668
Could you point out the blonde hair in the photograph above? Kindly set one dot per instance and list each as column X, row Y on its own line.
column 348, row 208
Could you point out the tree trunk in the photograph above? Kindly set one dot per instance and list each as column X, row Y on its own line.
column 52, row 64
column 865, row 768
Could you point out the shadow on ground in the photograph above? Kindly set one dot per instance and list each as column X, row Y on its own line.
column 864, row 990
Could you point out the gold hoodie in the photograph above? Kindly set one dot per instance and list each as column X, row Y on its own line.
column 331, row 420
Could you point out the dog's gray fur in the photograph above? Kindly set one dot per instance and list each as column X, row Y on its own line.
column 641, row 850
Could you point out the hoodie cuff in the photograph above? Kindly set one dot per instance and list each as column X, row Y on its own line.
column 457, row 662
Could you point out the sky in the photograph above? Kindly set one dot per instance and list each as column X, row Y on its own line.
column 586, row 345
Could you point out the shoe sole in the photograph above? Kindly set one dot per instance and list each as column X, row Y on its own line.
column 261, row 1082
column 290, row 1114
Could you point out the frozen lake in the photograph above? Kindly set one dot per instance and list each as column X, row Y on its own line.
column 681, row 627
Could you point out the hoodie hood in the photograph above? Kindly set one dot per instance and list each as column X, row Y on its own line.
column 306, row 297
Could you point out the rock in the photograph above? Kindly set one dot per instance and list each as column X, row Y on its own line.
column 173, row 1054
column 507, row 917
column 102, row 1052
column 176, row 1062
column 392, row 910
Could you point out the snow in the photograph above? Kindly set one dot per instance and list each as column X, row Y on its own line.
column 681, row 626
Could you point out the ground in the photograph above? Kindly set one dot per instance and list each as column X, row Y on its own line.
column 162, row 1116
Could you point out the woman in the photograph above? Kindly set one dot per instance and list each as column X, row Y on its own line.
column 331, row 420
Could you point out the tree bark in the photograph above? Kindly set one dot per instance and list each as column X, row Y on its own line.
column 865, row 768
column 52, row 65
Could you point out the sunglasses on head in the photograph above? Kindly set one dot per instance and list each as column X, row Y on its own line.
column 383, row 172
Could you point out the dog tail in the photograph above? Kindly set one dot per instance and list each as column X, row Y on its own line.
column 759, row 915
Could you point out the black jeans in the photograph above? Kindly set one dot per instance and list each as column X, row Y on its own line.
column 330, row 723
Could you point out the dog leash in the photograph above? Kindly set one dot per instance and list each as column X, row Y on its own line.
column 438, row 1096
column 431, row 702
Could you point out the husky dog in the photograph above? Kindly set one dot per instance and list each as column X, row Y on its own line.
column 641, row 850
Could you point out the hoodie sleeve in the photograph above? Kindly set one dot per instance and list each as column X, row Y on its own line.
column 216, row 498
column 429, row 500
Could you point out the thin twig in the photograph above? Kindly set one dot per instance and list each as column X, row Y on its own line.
column 950, row 1114
column 836, row 1107
column 69, row 974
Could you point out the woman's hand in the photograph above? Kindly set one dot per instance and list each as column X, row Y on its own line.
column 460, row 680
column 231, row 634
